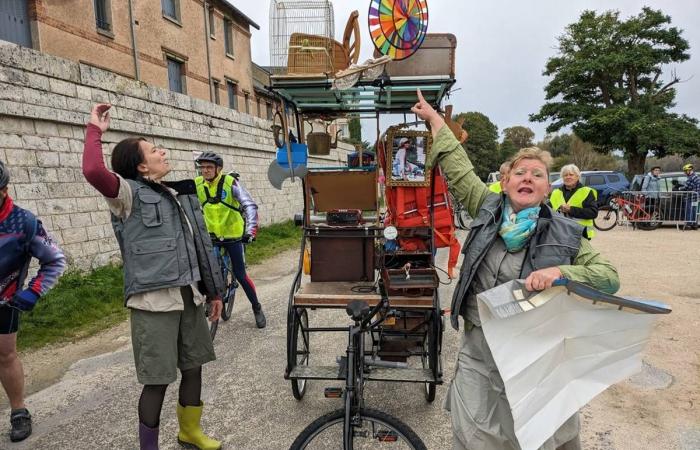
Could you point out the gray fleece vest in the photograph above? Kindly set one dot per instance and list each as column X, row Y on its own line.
column 156, row 243
column 555, row 242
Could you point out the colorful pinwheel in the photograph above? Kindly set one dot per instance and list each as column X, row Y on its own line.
column 398, row 27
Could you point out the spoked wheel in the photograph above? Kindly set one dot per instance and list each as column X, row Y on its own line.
column 607, row 219
column 653, row 224
column 230, row 296
column 213, row 326
column 299, row 349
column 373, row 429
column 430, row 356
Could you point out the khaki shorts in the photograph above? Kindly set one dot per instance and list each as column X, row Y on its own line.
column 166, row 341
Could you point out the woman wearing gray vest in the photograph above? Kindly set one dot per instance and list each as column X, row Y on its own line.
column 514, row 235
column 169, row 269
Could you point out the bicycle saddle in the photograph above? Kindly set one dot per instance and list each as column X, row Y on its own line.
column 357, row 310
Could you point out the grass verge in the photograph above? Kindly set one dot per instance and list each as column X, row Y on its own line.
column 82, row 304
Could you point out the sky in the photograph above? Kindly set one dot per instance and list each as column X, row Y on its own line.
column 502, row 48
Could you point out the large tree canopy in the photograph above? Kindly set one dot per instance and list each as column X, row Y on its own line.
column 482, row 144
column 608, row 86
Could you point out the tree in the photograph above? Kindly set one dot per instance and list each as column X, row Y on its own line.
column 482, row 144
column 507, row 149
column 607, row 86
column 520, row 136
column 556, row 144
column 355, row 129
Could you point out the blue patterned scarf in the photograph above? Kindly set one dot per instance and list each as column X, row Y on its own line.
column 516, row 229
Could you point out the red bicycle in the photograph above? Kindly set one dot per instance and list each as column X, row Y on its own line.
column 630, row 207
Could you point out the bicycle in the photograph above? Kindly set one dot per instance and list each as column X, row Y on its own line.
column 632, row 208
column 355, row 425
column 231, row 286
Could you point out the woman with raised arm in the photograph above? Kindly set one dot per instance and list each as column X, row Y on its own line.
column 514, row 235
column 169, row 268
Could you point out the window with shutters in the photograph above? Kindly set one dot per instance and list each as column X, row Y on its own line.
column 171, row 9
column 103, row 15
column 176, row 75
column 215, row 85
column 232, row 94
column 228, row 37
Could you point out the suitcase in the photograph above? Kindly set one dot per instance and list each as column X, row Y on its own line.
column 436, row 56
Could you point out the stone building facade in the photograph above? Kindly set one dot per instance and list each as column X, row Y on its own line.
column 197, row 47
column 44, row 105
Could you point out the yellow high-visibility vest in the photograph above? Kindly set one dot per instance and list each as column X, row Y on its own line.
column 223, row 215
column 496, row 187
column 576, row 200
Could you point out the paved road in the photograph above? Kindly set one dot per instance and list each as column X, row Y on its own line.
column 249, row 405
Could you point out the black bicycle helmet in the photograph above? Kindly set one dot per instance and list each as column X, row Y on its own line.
column 4, row 176
column 211, row 157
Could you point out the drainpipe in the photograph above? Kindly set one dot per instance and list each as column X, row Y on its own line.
column 137, row 68
column 207, row 6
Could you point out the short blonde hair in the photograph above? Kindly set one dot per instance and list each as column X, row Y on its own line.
column 570, row 168
column 537, row 153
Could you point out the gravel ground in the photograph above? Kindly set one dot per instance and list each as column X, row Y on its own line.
column 85, row 393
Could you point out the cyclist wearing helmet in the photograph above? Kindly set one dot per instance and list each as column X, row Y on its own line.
column 22, row 237
column 692, row 184
column 231, row 216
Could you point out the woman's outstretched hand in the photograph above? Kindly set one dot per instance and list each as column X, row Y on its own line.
column 426, row 112
column 542, row 279
column 99, row 116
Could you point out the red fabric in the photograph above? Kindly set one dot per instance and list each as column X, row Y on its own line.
column 6, row 208
column 94, row 168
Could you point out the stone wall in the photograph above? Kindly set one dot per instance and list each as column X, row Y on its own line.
column 44, row 104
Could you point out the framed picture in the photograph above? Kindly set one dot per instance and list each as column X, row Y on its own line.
column 409, row 151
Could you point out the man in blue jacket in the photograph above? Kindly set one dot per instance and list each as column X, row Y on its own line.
column 21, row 237
column 692, row 184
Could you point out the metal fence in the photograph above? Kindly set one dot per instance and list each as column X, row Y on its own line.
column 674, row 208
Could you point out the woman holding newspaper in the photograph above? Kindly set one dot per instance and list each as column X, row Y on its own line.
column 514, row 235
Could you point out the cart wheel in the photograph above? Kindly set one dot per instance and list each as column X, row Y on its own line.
column 299, row 349
column 430, row 356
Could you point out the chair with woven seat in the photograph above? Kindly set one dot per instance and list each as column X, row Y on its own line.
column 313, row 54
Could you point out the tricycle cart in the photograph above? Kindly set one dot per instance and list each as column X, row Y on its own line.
column 346, row 252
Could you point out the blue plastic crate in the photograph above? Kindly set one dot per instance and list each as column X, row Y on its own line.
column 299, row 155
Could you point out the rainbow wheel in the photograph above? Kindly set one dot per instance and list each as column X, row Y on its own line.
column 398, row 27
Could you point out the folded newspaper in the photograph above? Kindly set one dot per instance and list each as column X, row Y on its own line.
column 559, row 348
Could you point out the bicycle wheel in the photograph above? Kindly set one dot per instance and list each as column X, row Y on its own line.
column 430, row 356
column 229, row 300
column 373, row 429
column 653, row 224
column 299, row 355
column 606, row 220
column 213, row 326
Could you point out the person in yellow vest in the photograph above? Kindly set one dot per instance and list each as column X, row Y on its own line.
column 576, row 200
column 503, row 170
column 231, row 217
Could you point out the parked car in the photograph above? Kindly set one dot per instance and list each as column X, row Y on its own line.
column 606, row 182
column 671, row 206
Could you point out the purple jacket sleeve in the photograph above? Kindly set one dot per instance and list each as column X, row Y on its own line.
column 249, row 209
column 52, row 262
column 94, row 168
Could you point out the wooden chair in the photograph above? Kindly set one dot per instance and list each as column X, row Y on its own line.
column 313, row 54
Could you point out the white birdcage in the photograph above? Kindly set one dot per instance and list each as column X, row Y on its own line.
column 301, row 36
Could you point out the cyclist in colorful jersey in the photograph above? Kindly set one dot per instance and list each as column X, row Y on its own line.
column 692, row 184
column 575, row 200
column 22, row 237
column 231, row 216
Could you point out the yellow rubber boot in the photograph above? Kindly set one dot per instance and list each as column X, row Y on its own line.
column 191, row 434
